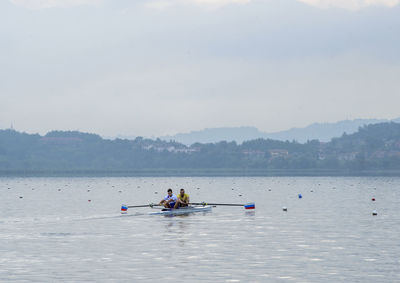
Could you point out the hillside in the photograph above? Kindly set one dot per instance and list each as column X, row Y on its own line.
column 373, row 147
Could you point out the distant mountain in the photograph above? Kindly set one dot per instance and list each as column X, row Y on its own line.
column 321, row 131
column 212, row 135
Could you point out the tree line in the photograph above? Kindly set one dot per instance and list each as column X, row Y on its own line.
column 373, row 147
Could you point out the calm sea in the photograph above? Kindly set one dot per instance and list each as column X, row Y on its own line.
column 71, row 230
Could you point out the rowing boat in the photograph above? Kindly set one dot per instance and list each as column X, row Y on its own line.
column 182, row 210
column 192, row 208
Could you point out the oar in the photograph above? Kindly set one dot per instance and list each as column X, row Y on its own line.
column 124, row 208
column 144, row 205
column 250, row 205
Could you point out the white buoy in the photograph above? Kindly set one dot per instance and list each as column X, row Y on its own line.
column 284, row 208
column 374, row 212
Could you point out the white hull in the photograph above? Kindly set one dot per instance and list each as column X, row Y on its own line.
column 183, row 210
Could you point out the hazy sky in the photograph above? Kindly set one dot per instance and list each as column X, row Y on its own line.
column 156, row 67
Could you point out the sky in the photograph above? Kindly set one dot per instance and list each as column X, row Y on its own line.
column 161, row 67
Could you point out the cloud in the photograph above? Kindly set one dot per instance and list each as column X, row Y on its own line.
column 344, row 4
column 158, row 4
column 350, row 4
column 220, row 2
column 43, row 4
column 161, row 4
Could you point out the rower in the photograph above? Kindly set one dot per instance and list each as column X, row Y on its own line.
column 169, row 200
column 183, row 199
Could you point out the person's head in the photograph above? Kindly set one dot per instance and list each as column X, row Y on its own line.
column 182, row 192
column 170, row 192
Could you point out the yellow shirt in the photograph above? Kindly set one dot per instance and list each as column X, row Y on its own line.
column 184, row 198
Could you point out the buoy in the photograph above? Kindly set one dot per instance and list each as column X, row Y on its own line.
column 373, row 199
column 120, row 191
column 374, row 212
column 89, row 200
column 156, row 192
column 269, row 190
column 312, row 191
column 59, row 190
column 88, row 190
column 284, row 208
column 240, row 195
column 300, row 196
column 20, row 197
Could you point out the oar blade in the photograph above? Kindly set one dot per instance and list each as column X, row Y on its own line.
column 250, row 205
column 124, row 209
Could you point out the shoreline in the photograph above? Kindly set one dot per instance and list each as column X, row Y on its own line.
column 201, row 173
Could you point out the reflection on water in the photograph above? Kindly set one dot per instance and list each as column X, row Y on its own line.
column 250, row 212
column 177, row 223
column 329, row 235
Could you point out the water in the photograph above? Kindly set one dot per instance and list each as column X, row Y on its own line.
column 54, row 233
